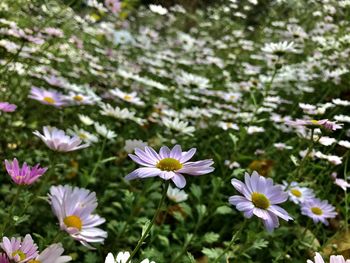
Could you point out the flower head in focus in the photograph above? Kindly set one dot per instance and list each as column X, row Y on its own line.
column 57, row 140
column 260, row 198
column 24, row 175
column 318, row 210
column 18, row 250
column 73, row 207
column 168, row 164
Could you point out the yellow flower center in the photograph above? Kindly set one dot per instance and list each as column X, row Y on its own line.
column 169, row 164
column 73, row 221
column 127, row 97
column 314, row 122
column 82, row 136
column 34, row 261
column 78, row 98
column 19, row 253
column 260, row 200
column 296, row 192
column 49, row 100
column 317, row 211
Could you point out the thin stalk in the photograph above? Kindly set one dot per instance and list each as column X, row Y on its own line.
column 185, row 246
column 8, row 218
column 94, row 170
column 309, row 150
column 346, row 195
column 143, row 237
column 268, row 86
column 234, row 238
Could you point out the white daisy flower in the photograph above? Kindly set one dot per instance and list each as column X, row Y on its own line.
column 228, row 125
column 117, row 112
column 345, row 144
column 103, row 131
column 326, row 141
column 176, row 194
column 255, row 129
column 128, row 97
column 282, row 146
column 86, row 120
column 158, row 9
column 122, row 257
column 131, row 145
column 279, row 48
column 342, row 118
column 341, row 102
column 83, row 135
column 298, row 194
column 177, row 125
column 81, row 99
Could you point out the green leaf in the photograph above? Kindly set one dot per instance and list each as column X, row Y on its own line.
column 164, row 240
column 196, row 191
column 201, row 210
column 145, row 226
column 223, row 210
column 294, row 160
column 212, row 252
column 210, row 237
column 191, row 258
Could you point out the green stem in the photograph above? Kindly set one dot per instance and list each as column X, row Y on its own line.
column 148, row 229
column 14, row 201
column 185, row 246
column 234, row 238
column 94, row 170
column 346, row 195
column 57, row 237
column 269, row 85
column 309, row 150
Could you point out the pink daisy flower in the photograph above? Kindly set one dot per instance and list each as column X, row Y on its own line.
column 18, row 250
column 329, row 125
column 168, row 164
column 24, row 175
column 4, row 258
column 7, row 107
column 57, row 140
column 49, row 97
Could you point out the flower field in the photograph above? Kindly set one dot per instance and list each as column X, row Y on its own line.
column 145, row 133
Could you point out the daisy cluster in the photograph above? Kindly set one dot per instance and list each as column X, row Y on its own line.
column 124, row 127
